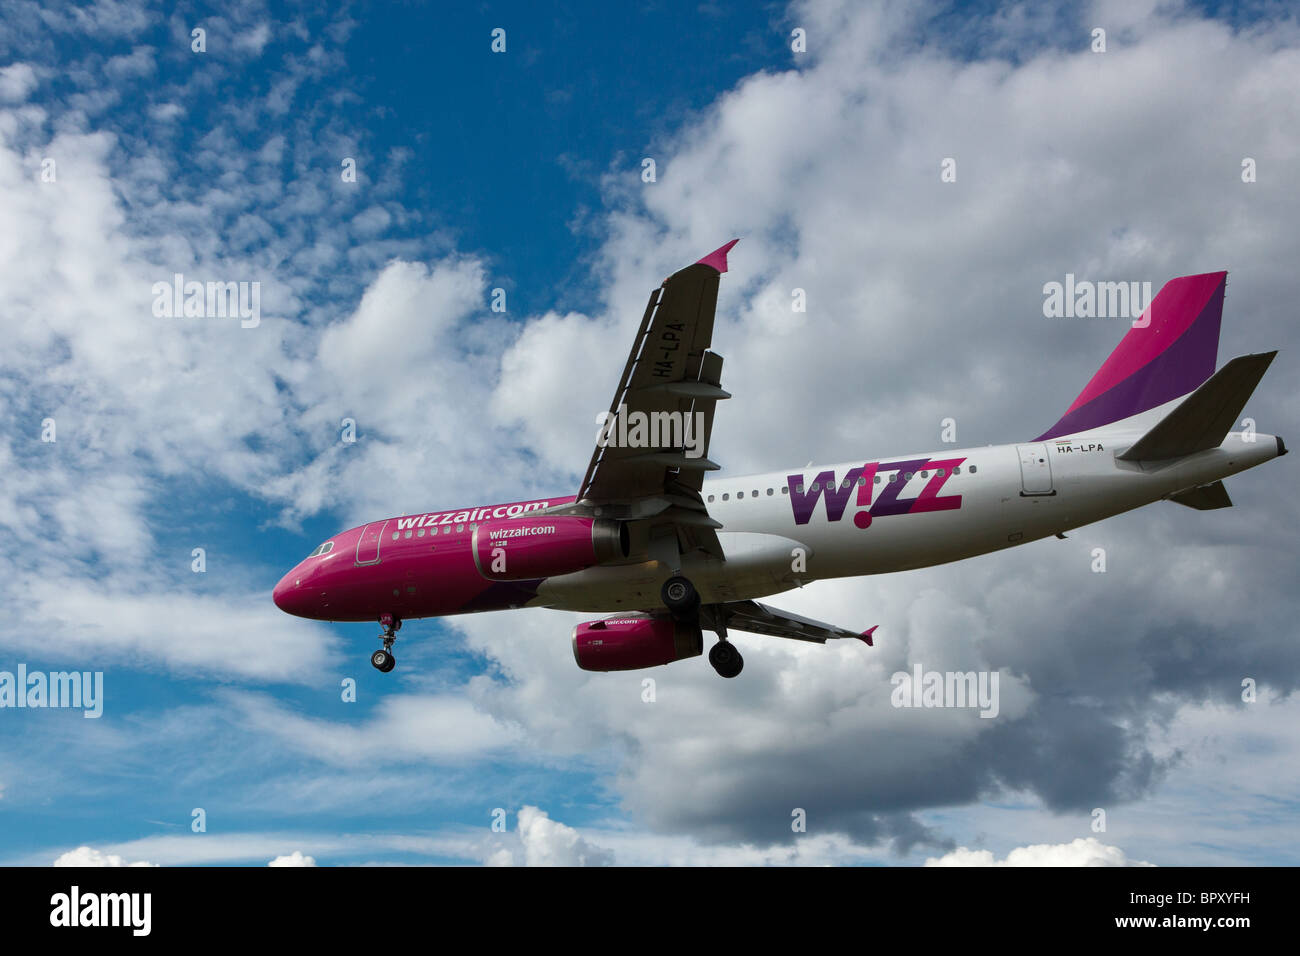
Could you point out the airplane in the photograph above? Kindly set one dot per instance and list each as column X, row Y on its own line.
column 668, row 555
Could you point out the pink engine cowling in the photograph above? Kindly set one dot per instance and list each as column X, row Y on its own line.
column 630, row 643
column 518, row 549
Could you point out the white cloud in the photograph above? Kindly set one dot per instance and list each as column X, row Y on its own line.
column 295, row 858
column 1080, row 852
column 254, row 40
column 17, row 80
column 547, row 842
column 403, row 727
column 89, row 856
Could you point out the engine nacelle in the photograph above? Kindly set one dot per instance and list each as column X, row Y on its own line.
column 630, row 643
column 519, row 549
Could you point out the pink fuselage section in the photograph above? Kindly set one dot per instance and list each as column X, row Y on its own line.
column 412, row 566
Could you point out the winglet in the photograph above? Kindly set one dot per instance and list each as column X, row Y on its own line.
column 718, row 257
column 866, row 635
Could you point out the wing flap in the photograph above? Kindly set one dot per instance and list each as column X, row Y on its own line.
column 755, row 618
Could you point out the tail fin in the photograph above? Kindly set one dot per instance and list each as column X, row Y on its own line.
column 1167, row 354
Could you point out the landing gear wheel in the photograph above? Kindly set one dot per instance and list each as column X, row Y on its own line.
column 382, row 660
column 680, row 597
column 726, row 660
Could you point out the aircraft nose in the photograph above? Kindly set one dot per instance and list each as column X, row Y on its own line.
column 288, row 594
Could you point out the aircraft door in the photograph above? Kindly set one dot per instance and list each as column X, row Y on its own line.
column 1035, row 470
column 372, row 535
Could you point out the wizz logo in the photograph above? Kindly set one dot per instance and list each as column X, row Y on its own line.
column 890, row 500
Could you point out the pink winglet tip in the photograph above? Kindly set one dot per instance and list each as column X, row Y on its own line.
column 866, row 635
column 718, row 257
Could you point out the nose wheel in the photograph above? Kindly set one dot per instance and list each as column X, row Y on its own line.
column 726, row 660
column 383, row 660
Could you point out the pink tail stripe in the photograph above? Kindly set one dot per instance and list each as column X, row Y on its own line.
column 718, row 257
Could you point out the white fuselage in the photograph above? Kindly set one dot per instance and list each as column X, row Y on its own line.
column 1008, row 495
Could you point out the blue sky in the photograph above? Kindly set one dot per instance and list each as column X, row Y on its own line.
column 522, row 171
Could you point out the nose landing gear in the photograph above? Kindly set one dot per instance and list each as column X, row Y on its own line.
column 383, row 660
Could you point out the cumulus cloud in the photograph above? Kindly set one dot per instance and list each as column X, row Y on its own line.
column 295, row 858
column 17, row 80
column 1080, row 852
column 547, row 842
column 89, row 856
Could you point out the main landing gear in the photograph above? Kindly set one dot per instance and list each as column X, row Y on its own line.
column 383, row 660
column 683, row 602
column 681, row 598
column 726, row 660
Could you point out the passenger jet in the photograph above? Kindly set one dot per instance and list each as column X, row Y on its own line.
column 668, row 555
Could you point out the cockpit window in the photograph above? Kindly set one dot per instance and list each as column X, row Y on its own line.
column 325, row 548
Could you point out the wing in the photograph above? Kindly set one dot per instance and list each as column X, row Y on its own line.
column 670, row 385
column 758, row 618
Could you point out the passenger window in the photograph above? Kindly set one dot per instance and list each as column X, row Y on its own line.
column 710, row 499
column 971, row 469
column 769, row 492
column 408, row 532
column 862, row 480
column 877, row 481
column 396, row 535
column 816, row 486
column 956, row 469
column 785, row 489
column 925, row 474
column 740, row 494
column 725, row 497
column 799, row 488
column 460, row 528
column 908, row 476
column 420, row 533
column 446, row 529
column 754, row 493
column 939, row 473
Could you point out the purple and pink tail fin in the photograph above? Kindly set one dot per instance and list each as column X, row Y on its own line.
column 1167, row 354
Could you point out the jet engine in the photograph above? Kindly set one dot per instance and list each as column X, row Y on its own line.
column 630, row 643
column 519, row 549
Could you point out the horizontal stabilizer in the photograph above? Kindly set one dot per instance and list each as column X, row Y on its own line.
column 1205, row 498
column 1204, row 419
